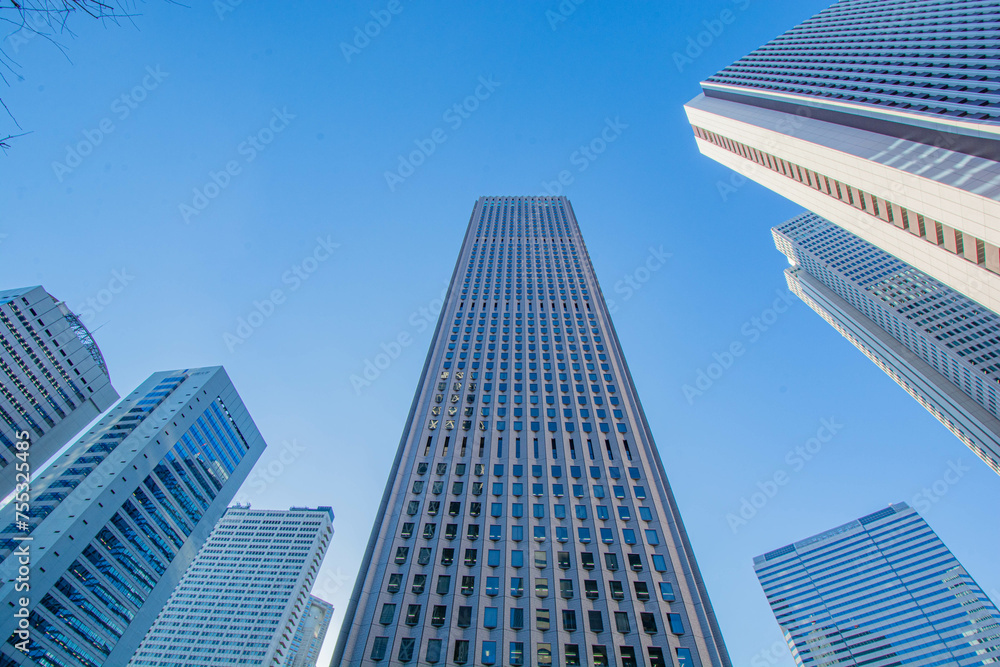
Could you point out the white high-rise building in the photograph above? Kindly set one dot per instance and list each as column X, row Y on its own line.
column 245, row 595
column 883, row 118
column 528, row 519
column 309, row 636
column 53, row 380
column 114, row 522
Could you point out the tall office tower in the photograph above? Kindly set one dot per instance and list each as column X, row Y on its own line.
column 884, row 118
column 309, row 636
column 242, row 599
column 880, row 591
column 527, row 519
column 113, row 523
column 942, row 347
column 53, row 381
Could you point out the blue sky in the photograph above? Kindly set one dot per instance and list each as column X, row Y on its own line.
column 184, row 171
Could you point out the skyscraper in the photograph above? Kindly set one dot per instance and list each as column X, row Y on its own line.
column 113, row 523
column 245, row 594
column 53, row 380
column 309, row 636
column 528, row 519
column 880, row 591
column 940, row 346
column 883, row 118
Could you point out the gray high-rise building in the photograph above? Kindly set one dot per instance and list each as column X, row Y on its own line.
column 244, row 596
column 939, row 345
column 883, row 118
column 53, row 380
column 309, row 636
column 880, row 591
column 114, row 522
column 528, row 519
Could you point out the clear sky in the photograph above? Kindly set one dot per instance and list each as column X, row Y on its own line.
column 182, row 170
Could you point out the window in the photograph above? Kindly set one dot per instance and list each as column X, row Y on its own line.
column 517, row 558
column 611, row 562
column 596, row 621
column 464, row 617
column 656, row 658
column 451, row 531
column 628, row 657
column 401, row 554
column 516, row 653
column 492, row 586
column 541, row 559
column 497, row 488
column 542, row 619
column 516, row 587
column 563, row 558
column 628, row 535
column 541, row 588
column 635, row 562
column 413, row 507
column 496, row 509
column 447, row 556
column 624, row 513
column 598, row 491
column 443, row 584
column 602, row 513
column 621, row 622
column 454, row 509
column 429, row 529
column 652, row 538
column 419, row 580
column 516, row 533
column 490, row 617
column 581, row 511
column 461, row 654
column 667, row 591
column 468, row 585
column 569, row 620
column 684, row 657
column 472, row 532
column 545, row 655
column 566, row 588
column 424, row 556
column 489, row 653
column 676, row 623
column 517, row 510
column 413, row 614
column 600, row 656
column 648, row 622
column 434, row 507
column 587, row 560
column 538, row 511
column 538, row 532
column 418, row 486
column 433, row 654
column 407, row 531
column 379, row 647
column 641, row 591
column 496, row 532
column 617, row 590
column 583, row 535
column 438, row 613
column 388, row 613
column 471, row 556
column 646, row 514
column 640, row 492
column 516, row 618
column 395, row 581
column 659, row 563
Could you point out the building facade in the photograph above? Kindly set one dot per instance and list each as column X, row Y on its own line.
column 882, row 118
column 53, row 380
column 114, row 522
column 310, row 633
column 246, row 593
column 528, row 519
column 880, row 591
column 942, row 347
